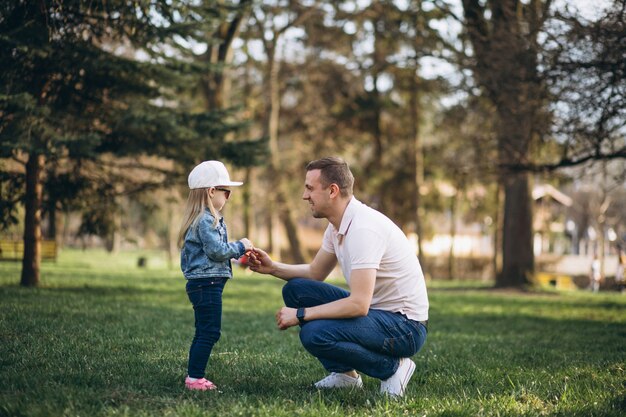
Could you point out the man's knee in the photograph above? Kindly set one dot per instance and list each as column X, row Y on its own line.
column 313, row 336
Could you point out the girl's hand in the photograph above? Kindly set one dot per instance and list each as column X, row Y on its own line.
column 247, row 244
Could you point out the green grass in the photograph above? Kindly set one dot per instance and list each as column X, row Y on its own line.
column 102, row 337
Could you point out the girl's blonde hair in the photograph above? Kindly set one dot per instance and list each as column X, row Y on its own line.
column 197, row 202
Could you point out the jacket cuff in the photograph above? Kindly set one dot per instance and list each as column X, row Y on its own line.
column 242, row 248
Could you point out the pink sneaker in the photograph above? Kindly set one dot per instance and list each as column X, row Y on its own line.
column 199, row 384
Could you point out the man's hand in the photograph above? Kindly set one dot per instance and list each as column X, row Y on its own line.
column 286, row 318
column 260, row 261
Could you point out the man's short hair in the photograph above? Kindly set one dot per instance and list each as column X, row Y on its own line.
column 334, row 170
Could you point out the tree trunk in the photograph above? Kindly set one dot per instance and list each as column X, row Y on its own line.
column 514, row 135
column 55, row 223
column 497, row 234
column 278, row 186
column 415, row 147
column 417, row 166
column 453, row 210
column 113, row 241
column 505, row 48
column 59, row 228
column 269, row 221
column 32, row 221
column 172, row 235
column 290, row 229
column 379, row 149
column 605, row 203
column 52, row 219
column 247, row 215
column 517, row 250
column 217, row 84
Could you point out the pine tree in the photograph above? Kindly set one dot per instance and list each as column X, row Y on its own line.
column 87, row 82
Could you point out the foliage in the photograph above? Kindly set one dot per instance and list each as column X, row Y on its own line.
column 346, row 90
column 122, row 97
column 586, row 72
column 82, row 80
column 112, row 339
column 9, row 199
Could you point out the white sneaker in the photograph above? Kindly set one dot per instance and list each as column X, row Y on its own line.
column 396, row 383
column 338, row 380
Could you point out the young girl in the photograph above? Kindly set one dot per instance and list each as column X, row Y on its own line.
column 205, row 261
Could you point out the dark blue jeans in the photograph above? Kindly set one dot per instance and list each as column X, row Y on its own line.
column 206, row 297
column 372, row 344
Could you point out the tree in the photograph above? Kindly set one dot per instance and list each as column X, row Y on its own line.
column 420, row 40
column 269, row 24
column 586, row 75
column 504, row 41
column 216, row 84
column 72, row 90
column 329, row 100
column 554, row 106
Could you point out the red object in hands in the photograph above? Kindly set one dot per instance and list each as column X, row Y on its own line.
column 244, row 260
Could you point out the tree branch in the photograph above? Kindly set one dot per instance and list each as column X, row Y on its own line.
column 565, row 162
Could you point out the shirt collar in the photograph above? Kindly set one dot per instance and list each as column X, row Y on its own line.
column 348, row 215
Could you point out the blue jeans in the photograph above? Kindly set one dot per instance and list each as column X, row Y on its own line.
column 372, row 344
column 206, row 297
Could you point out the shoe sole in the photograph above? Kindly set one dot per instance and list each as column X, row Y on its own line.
column 340, row 387
column 201, row 389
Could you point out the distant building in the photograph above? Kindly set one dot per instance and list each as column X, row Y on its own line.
column 549, row 220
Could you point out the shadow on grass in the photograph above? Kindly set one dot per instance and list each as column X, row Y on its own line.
column 112, row 284
column 96, row 289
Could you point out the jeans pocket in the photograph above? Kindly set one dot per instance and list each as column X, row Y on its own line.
column 401, row 346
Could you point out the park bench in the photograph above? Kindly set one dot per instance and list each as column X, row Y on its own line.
column 559, row 281
column 13, row 250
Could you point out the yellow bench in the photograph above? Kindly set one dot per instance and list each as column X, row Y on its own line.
column 13, row 250
column 559, row 281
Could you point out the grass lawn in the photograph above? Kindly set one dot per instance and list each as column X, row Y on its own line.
column 102, row 337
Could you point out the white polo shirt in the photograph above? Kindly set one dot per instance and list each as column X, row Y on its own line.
column 368, row 239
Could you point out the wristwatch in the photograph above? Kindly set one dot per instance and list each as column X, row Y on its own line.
column 300, row 315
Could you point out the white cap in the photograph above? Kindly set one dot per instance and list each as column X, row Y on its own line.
column 210, row 174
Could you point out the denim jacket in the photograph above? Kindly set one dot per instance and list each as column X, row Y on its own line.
column 206, row 252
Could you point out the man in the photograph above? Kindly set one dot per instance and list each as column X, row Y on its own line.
column 376, row 326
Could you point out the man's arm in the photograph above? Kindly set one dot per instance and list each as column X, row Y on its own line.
column 357, row 304
column 318, row 269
